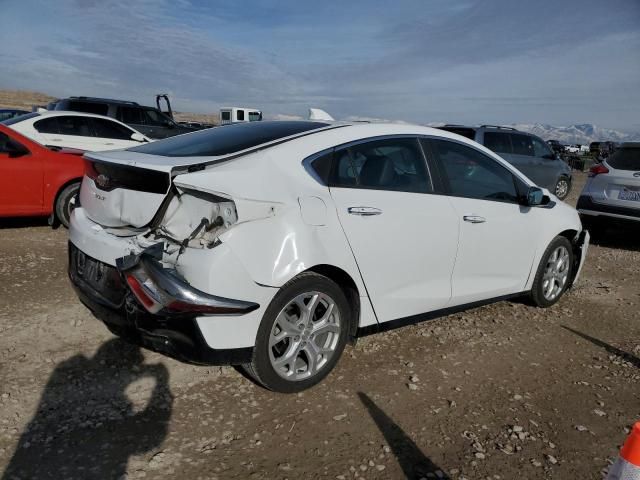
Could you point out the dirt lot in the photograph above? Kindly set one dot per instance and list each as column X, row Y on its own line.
column 501, row 392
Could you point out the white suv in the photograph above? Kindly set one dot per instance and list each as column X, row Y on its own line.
column 271, row 244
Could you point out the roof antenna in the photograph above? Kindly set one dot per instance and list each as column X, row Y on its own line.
column 321, row 115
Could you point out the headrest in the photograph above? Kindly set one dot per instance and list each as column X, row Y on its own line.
column 378, row 171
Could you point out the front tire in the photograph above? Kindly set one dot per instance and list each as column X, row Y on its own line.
column 65, row 203
column 554, row 273
column 563, row 187
column 302, row 334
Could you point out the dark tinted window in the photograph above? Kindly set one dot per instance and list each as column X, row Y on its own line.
column 255, row 116
column 89, row 107
column 541, row 149
column 394, row 164
column 322, row 167
column 625, row 159
column 522, row 144
column 155, row 118
column 79, row 126
column 227, row 139
column 20, row 118
column 107, row 129
column 469, row 133
column 498, row 142
column 47, row 125
column 240, row 115
column 131, row 115
column 470, row 173
column 226, row 115
column 4, row 138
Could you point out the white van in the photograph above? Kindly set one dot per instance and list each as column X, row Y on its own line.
column 239, row 114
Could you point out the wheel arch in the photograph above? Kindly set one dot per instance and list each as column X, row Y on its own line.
column 61, row 188
column 348, row 286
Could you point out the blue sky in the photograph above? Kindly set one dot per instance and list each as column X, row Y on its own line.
column 496, row 61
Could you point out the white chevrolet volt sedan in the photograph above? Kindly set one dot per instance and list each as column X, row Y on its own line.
column 270, row 245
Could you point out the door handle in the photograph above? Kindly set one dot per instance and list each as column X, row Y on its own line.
column 364, row 211
column 474, row 219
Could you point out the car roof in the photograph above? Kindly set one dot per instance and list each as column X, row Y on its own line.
column 67, row 113
column 99, row 100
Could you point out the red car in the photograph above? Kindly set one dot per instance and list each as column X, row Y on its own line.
column 36, row 180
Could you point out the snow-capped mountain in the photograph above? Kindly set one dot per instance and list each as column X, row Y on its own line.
column 583, row 134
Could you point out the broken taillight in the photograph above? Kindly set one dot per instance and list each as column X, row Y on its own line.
column 139, row 292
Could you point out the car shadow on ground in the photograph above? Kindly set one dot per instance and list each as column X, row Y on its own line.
column 413, row 462
column 86, row 426
column 632, row 359
column 23, row 222
column 619, row 236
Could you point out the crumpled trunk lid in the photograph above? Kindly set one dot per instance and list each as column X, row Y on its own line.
column 118, row 191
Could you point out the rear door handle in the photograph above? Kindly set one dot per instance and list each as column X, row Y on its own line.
column 474, row 219
column 364, row 211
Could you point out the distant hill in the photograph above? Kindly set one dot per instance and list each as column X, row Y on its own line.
column 583, row 133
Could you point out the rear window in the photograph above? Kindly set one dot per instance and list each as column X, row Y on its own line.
column 469, row 133
column 225, row 140
column 625, row 159
column 20, row 118
column 226, row 115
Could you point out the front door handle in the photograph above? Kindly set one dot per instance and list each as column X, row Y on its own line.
column 364, row 211
column 474, row 219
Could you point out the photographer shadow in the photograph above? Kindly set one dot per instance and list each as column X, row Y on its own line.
column 85, row 425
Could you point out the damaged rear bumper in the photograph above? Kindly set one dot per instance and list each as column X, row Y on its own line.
column 154, row 307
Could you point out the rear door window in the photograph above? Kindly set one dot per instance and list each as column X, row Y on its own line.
column 107, row 129
column 240, row 115
column 392, row 164
column 522, row 144
column 47, row 125
column 625, row 159
column 472, row 174
column 130, row 115
column 498, row 142
column 78, row 126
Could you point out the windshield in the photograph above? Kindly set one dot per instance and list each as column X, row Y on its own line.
column 20, row 118
column 626, row 159
column 227, row 139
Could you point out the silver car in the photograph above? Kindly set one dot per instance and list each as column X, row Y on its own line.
column 612, row 191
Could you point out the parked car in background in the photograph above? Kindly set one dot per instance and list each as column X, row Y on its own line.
column 7, row 113
column 527, row 152
column 36, row 180
column 77, row 130
column 163, row 247
column 612, row 191
column 575, row 149
column 556, row 146
column 239, row 114
column 149, row 121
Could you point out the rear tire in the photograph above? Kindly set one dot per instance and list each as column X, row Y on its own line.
column 65, row 203
column 562, row 188
column 302, row 334
column 554, row 273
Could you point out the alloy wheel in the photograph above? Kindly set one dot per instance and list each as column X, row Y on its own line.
column 556, row 273
column 304, row 336
column 562, row 188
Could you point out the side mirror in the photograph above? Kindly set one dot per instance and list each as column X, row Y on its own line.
column 15, row 149
column 138, row 137
column 535, row 196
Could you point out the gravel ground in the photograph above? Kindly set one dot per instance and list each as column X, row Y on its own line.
column 499, row 392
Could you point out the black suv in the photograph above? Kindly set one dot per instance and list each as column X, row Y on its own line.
column 528, row 153
column 147, row 120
